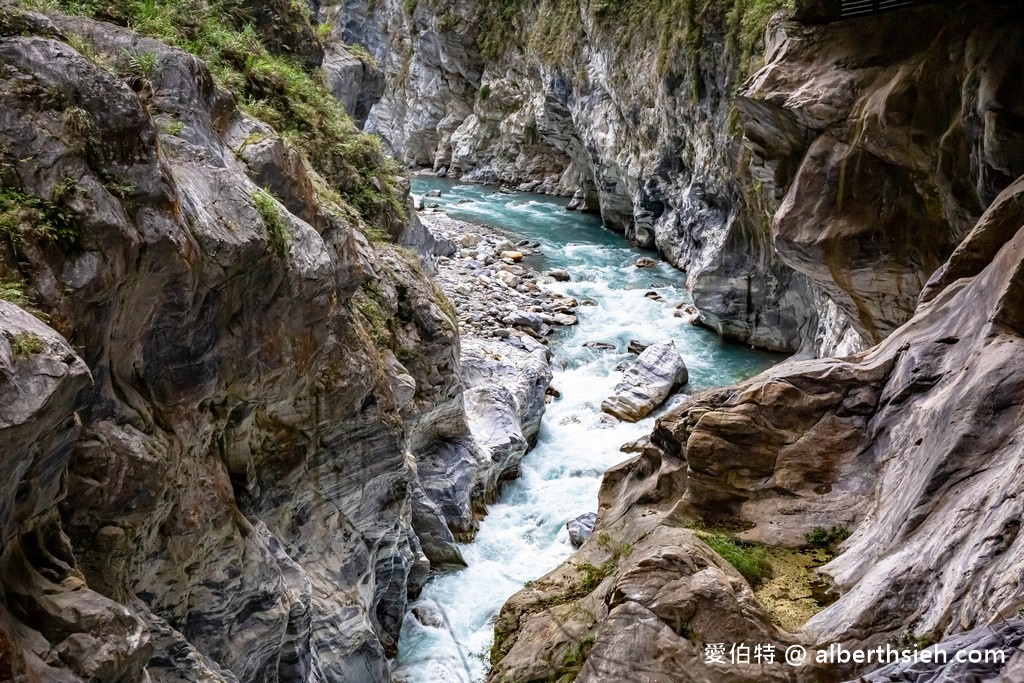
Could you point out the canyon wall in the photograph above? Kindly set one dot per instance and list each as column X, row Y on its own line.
column 896, row 145
column 627, row 107
column 218, row 364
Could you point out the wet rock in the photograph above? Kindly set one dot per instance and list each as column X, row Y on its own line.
column 581, row 528
column 637, row 347
column 559, row 275
column 603, row 346
column 645, row 262
column 428, row 616
column 647, row 382
column 432, row 193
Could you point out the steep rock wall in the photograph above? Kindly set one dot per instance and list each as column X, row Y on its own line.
column 626, row 106
column 214, row 478
column 885, row 145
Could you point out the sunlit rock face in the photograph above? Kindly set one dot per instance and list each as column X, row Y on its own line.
column 213, row 477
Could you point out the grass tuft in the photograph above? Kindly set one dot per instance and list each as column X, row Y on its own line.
column 278, row 232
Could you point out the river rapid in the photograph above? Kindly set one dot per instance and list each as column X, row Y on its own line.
column 524, row 536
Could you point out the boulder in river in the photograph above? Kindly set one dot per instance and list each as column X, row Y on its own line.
column 581, row 528
column 559, row 275
column 642, row 262
column 647, row 382
column 603, row 346
column 636, row 346
column 432, row 193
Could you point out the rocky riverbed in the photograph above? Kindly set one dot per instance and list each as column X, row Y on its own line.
column 496, row 296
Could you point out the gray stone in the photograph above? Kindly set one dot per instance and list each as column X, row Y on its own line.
column 647, row 382
column 581, row 528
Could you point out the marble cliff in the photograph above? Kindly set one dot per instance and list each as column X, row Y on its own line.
column 238, row 427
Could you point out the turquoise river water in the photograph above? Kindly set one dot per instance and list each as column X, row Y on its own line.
column 523, row 536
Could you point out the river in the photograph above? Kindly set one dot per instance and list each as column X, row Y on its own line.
column 523, row 536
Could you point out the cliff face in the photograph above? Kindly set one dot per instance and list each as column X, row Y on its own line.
column 897, row 155
column 885, row 145
column 210, row 449
column 626, row 106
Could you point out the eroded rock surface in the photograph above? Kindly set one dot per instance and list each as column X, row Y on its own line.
column 885, row 145
column 913, row 445
column 647, row 382
column 220, row 482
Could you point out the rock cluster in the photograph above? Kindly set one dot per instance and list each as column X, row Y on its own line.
column 495, row 295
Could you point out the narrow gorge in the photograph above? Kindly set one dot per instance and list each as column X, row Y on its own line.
column 522, row 340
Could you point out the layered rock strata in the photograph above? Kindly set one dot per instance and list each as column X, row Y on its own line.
column 913, row 445
column 210, row 450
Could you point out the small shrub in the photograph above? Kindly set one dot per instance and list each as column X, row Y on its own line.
column 278, row 232
column 119, row 187
column 749, row 559
column 26, row 344
column 172, row 127
column 828, row 540
column 14, row 292
column 592, row 575
column 484, row 92
column 449, row 22
column 324, row 32
column 22, row 215
column 576, row 653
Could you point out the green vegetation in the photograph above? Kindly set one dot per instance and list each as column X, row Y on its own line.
column 278, row 232
column 119, row 187
column 23, row 216
column 239, row 41
column 448, row 22
column 828, row 540
column 363, row 55
column 556, row 31
column 26, row 344
column 15, row 292
column 592, row 575
column 575, row 655
column 749, row 559
column 618, row 547
column 172, row 127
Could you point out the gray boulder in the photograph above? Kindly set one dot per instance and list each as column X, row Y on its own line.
column 581, row 528
column 647, row 382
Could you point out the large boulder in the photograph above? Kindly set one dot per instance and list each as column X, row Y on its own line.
column 647, row 382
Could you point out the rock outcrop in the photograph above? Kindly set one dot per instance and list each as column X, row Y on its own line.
column 884, row 146
column 647, row 382
column 210, row 451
